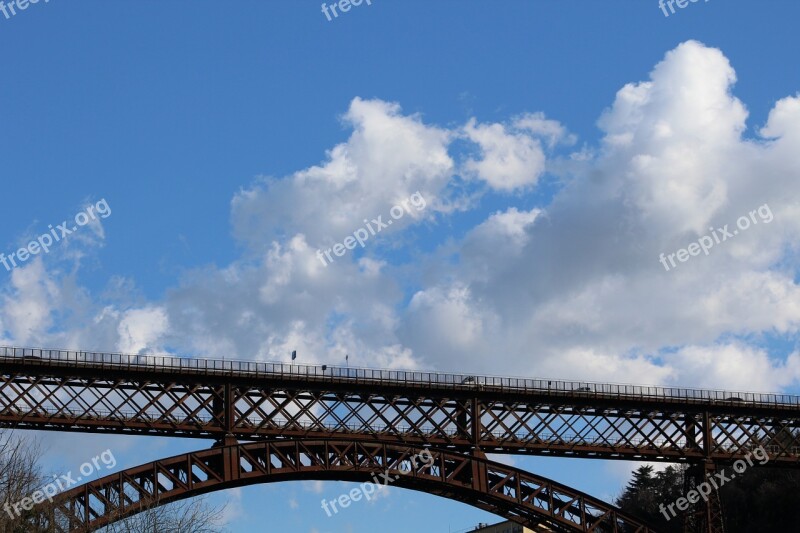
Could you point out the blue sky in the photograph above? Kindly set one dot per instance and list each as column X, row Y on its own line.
column 560, row 147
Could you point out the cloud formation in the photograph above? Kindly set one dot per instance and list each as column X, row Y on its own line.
column 571, row 287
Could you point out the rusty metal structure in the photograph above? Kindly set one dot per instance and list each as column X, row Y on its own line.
column 708, row 516
column 457, row 415
column 491, row 486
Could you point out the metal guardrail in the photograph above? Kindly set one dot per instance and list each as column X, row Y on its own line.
column 404, row 377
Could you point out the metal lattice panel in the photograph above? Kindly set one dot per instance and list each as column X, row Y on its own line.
column 369, row 418
column 86, row 396
column 497, row 488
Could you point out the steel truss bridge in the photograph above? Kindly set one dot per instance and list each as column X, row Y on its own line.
column 276, row 422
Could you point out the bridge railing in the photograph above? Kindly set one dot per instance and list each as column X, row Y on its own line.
column 38, row 356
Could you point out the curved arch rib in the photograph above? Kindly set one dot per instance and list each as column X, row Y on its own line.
column 497, row 488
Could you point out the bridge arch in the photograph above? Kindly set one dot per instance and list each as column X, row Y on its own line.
column 472, row 479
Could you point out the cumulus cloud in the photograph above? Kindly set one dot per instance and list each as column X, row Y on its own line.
column 511, row 156
column 28, row 302
column 578, row 290
column 738, row 366
column 142, row 329
column 565, row 284
column 388, row 157
column 507, row 160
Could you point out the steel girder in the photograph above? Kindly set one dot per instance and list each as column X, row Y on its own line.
column 497, row 488
column 53, row 395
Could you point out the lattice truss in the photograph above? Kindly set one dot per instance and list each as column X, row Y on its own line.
column 704, row 516
column 541, row 426
column 497, row 488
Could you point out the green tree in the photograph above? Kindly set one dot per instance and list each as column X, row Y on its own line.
column 759, row 500
column 646, row 491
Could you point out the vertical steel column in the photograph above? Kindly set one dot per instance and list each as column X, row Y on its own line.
column 704, row 516
column 480, row 477
column 230, row 463
column 477, row 411
column 462, row 421
column 691, row 431
column 224, row 408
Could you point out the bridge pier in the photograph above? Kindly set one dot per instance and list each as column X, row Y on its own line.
column 223, row 408
column 477, row 412
column 468, row 418
column 704, row 516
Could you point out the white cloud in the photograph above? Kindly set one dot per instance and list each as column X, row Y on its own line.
column 508, row 160
column 577, row 289
column 539, row 125
column 569, row 287
column 28, row 302
column 734, row 366
column 387, row 158
column 563, row 287
column 140, row 330
column 234, row 508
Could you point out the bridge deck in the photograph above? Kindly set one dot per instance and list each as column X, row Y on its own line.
column 37, row 357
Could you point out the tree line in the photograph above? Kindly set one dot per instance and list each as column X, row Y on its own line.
column 761, row 499
column 22, row 475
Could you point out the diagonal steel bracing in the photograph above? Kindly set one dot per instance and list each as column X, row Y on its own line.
column 111, row 393
column 506, row 491
column 282, row 406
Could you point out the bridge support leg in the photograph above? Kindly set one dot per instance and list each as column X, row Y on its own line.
column 223, row 407
column 462, row 421
column 703, row 516
column 480, row 480
column 468, row 419
column 477, row 413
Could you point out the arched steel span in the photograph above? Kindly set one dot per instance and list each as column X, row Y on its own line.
column 500, row 489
